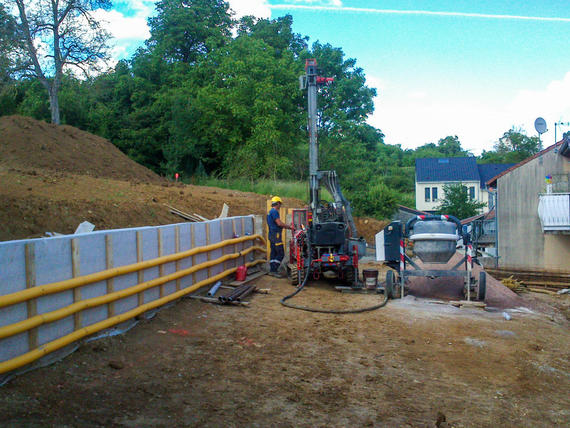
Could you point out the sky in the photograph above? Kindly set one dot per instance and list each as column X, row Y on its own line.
column 471, row 68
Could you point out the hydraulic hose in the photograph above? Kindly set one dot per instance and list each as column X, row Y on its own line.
column 327, row 311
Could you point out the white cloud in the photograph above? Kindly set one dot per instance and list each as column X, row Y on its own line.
column 552, row 104
column 376, row 83
column 122, row 27
column 129, row 29
column 257, row 8
column 416, row 95
column 414, row 121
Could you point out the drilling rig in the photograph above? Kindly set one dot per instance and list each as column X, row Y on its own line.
column 325, row 237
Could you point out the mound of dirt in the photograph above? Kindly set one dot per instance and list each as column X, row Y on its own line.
column 26, row 144
column 54, row 177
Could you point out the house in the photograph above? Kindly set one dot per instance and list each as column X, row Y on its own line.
column 403, row 214
column 533, row 213
column 433, row 174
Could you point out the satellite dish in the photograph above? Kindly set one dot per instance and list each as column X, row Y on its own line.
column 540, row 125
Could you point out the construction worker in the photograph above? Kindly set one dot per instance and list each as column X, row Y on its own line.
column 276, row 227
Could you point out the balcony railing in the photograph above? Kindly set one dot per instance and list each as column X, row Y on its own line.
column 554, row 212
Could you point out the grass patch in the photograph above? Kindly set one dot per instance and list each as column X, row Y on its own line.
column 288, row 189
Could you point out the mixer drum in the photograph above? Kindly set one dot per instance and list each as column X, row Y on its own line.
column 434, row 241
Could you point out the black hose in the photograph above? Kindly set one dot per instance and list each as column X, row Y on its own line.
column 328, row 311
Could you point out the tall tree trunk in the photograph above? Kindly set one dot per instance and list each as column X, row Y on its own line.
column 54, row 104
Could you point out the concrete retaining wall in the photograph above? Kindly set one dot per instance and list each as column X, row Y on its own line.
column 35, row 262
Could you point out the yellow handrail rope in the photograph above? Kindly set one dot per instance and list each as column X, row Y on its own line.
column 36, row 321
column 47, row 348
column 56, row 287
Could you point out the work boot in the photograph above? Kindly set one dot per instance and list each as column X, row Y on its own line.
column 276, row 274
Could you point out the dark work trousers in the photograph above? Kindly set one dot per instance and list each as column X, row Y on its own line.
column 277, row 250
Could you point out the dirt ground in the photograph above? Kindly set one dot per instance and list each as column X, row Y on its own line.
column 198, row 364
column 411, row 363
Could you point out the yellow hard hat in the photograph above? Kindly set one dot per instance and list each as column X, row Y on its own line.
column 276, row 199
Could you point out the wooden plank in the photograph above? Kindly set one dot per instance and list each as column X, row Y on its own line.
column 193, row 244
column 183, row 214
column 75, row 273
column 216, row 301
column 241, row 260
column 472, row 303
column 110, row 281
column 542, row 291
column 31, row 305
column 177, row 250
column 208, row 255
column 225, row 210
column 140, row 273
column 224, row 264
column 234, row 261
column 247, row 279
column 161, row 266
column 201, row 217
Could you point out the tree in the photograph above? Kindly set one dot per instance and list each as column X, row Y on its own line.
column 59, row 35
column 450, row 146
column 447, row 147
column 186, row 30
column 513, row 147
column 456, row 202
column 9, row 45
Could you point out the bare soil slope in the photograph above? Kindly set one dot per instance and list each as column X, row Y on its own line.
column 54, row 177
column 27, row 144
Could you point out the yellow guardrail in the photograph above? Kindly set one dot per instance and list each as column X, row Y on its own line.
column 35, row 321
column 56, row 287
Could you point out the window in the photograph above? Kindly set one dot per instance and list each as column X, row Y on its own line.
column 472, row 192
column 434, row 194
column 427, row 194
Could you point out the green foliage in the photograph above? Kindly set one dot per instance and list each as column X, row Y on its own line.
column 290, row 189
column 513, row 147
column 456, row 202
column 186, row 30
column 447, row 147
column 47, row 37
column 10, row 45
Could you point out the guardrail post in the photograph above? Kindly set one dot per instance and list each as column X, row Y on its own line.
column 31, row 305
column 109, row 264
column 75, row 273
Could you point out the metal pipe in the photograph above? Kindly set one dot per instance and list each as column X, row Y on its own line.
column 215, row 288
column 50, row 347
column 36, row 321
column 56, row 287
column 236, row 296
column 235, row 292
column 246, row 293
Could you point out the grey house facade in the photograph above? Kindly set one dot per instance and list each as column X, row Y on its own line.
column 533, row 215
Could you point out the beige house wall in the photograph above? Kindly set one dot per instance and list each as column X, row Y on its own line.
column 522, row 243
column 423, row 205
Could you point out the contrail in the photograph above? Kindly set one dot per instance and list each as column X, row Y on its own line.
column 417, row 12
